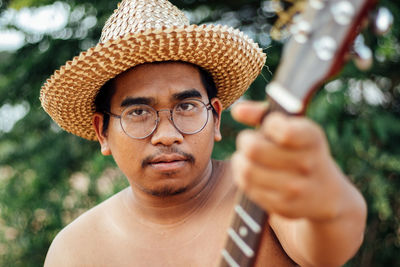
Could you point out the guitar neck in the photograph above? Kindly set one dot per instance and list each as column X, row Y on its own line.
column 248, row 223
column 244, row 234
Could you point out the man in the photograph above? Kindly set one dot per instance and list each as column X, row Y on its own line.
column 164, row 84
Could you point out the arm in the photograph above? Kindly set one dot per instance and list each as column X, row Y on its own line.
column 285, row 167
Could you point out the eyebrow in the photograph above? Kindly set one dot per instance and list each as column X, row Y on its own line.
column 129, row 101
column 191, row 93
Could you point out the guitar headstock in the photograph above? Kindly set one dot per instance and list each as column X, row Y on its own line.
column 321, row 36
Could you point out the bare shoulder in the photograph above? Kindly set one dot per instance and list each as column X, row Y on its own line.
column 78, row 240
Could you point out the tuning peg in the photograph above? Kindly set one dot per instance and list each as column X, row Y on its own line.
column 362, row 54
column 382, row 20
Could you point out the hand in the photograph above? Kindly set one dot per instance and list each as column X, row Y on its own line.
column 285, row 166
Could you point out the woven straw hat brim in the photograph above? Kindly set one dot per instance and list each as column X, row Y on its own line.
column 233, row 60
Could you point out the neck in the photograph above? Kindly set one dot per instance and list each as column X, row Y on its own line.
column 176, row 209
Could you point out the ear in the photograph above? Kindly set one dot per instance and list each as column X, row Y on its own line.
column 101, row 137
column 216, row 103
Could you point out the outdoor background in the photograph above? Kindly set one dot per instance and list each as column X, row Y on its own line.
column 48, row 177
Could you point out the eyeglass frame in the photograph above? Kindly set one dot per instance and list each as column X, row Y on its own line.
column 208, row 107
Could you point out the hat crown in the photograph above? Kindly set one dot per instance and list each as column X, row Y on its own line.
column 133, row 16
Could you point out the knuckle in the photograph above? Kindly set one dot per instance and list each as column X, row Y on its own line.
column 306, row 165
column 293, row 191
column 286, row 135
column 246, row 172
column 248, row 143
column 271, row 122
column 251, row 149
column 241, row 139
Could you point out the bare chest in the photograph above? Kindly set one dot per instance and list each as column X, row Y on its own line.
column 198, row 244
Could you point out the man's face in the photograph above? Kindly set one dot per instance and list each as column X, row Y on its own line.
column 167, row 162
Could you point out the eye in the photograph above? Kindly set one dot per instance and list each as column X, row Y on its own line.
column 140, row 112
column 186, row 106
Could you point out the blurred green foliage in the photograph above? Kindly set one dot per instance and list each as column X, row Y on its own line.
column 48, row 177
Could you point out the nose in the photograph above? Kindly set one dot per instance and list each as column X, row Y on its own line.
column 166, row 133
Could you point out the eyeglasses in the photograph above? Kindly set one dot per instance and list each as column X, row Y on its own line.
column 139, row 121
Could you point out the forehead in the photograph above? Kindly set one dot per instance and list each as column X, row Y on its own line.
column 159, row 81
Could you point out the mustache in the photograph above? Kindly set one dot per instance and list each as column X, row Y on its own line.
column 171, row 150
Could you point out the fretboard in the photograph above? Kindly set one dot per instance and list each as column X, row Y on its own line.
column 244, row 234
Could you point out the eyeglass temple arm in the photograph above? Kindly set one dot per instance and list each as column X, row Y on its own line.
column 112, row 114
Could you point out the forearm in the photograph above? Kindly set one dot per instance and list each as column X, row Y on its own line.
column 324, row 243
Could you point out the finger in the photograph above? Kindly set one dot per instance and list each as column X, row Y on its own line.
column 250, row 176
column 260, row 150
column 292, row 132
column 249, row 112
column 274, row 204
column 274, row 191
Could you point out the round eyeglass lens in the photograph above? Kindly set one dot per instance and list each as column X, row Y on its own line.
column 190, row 116
column 139, row 121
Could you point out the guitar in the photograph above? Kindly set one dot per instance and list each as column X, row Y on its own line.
column 321, row 37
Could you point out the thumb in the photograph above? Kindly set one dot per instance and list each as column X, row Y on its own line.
column 249, row 112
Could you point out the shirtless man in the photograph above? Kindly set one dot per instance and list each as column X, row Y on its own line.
column 178, row 206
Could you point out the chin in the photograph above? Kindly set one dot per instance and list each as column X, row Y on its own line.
column 167, row 191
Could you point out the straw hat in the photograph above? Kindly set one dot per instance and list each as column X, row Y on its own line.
column 141, row 31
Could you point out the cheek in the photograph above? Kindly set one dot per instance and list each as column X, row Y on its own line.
column 125, row 150
column 126, row 154
column 205, row 142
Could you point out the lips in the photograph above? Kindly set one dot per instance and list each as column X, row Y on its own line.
column 168, row 163
column 170, row 158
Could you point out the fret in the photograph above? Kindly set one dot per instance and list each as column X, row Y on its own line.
column 228, row 259
column 240, row 243
column 255, row 214
column 252, row 224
